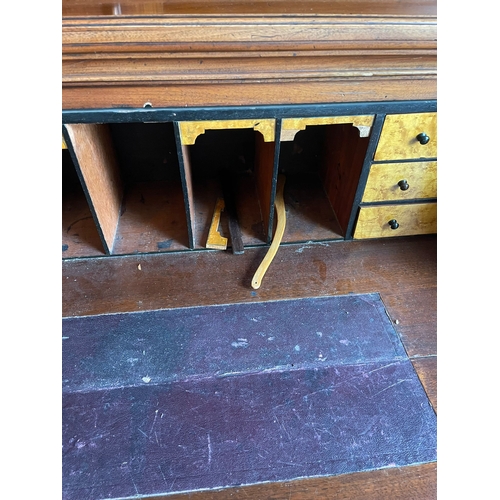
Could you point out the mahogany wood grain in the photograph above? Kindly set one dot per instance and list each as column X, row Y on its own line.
column 248, row 54
column 249, row 210
column 402, row 270
column 251, row 163
column 179, row 67
column 276, row 7
column 342, row 164
column 264, row 168
column 418, row 331
column 243, row 93
column 309, row 213
column 80, row 237
column 93, row 147
column 180, row 34
column 426, row 369
column 152, row 219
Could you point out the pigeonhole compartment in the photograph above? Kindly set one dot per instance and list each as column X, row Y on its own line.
column 131, row 176
column 322, row 159
column 152, row 214
column 233, row 162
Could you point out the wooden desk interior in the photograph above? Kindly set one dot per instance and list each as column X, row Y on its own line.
column 138, row 194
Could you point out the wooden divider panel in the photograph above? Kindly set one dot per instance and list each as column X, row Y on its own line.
column 93, row 148
column 187, row 180
column 342, row 163
column 264, row 168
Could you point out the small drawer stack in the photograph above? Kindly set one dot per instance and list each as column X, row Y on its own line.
column 401, row 190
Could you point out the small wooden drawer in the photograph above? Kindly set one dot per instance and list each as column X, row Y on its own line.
column 412, row 135
column 396, row 220
column 401, row 181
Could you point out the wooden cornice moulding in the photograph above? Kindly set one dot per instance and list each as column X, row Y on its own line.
column 250, row 94
column 245, row 33
column 244, row 49
column 80, row 8
column 239, row 67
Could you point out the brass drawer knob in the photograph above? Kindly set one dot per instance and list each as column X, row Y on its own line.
column 403, row 185
column 423, row 138
column 394, row 224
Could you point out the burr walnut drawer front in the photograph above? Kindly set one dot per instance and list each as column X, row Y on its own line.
column 401, row 181
column 396, row 220
column 407, row 136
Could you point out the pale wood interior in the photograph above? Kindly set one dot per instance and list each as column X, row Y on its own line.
column 290, row 126
column 191, row 130
column 382, row 184
column 94, row 151
column 147, row 199
column 80, row 237
column 398, row 140
column 416, row 218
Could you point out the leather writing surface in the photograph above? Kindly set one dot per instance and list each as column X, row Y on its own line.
column 306, row 387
